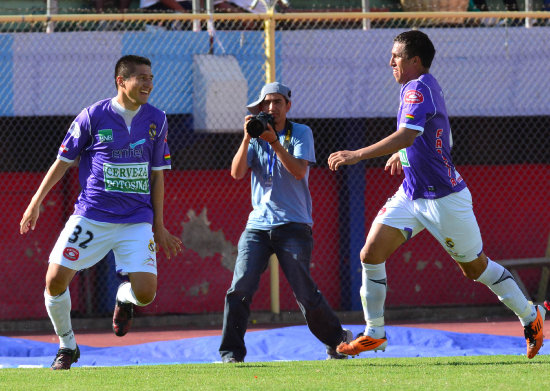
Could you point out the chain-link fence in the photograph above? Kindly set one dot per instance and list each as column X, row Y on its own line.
column 493, row 70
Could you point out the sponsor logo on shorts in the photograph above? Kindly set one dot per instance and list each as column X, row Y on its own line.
column 413, row 97
column 150, row 262
column 105, row 135
column 382, row 211
column 455, row 254
column 449, row 242
column 71, row 253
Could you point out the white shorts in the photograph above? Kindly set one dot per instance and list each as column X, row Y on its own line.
column 449, row 219
column 84, row 242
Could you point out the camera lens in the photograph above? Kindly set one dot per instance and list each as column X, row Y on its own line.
column 255, row 127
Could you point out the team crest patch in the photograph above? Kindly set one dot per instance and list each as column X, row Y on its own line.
column 152, row 246
column 449, row 242
column 71, row 253
column 152, row 131
column 413, row 97
column 63, row 148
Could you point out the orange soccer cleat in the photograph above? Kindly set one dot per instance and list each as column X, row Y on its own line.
column 533, row 333
column 362, row 343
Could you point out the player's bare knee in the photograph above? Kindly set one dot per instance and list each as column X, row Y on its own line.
column 472, row 270
column 55, row 287
column 146, row 299
column 144, row 296
column 367, row 255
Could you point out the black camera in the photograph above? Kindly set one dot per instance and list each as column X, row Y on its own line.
column 258, row 124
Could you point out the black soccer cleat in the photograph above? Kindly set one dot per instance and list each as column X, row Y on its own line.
column 122, row 318
column 65, row 358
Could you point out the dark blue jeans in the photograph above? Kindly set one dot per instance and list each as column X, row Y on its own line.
column 293, row 244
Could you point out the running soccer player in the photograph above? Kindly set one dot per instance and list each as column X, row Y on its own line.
column 121, row 145
column 433, row 196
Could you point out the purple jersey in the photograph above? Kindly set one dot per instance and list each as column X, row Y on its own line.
column 429, row 170
column 116, row 163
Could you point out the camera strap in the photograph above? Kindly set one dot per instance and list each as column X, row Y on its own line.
column 272, row 156
column 288, row 134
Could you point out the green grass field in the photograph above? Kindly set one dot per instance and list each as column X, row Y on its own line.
column 497, row 373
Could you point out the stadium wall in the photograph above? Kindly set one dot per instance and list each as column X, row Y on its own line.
column 202, row 279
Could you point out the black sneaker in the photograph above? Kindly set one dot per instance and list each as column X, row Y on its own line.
column 122, row 318
column 64, row 358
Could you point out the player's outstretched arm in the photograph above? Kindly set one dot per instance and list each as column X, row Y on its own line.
column 169, row 243
column 402, row 138
column 342, row 158
column 54, row 174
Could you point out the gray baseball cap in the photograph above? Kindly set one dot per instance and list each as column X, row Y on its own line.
column 271, row 88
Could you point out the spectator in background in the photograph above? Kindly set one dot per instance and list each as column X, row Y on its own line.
column 278, row 156
column 239, row 6
column 510, row 5
column 165, row 5
column 123, row 6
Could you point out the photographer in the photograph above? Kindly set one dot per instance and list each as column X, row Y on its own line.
column 278, row 152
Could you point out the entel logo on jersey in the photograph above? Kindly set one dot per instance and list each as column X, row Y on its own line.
column 71, row 253
column 413, row 97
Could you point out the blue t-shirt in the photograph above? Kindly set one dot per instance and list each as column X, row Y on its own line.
column 116, row 162
column 277, row 197
column 428, row 167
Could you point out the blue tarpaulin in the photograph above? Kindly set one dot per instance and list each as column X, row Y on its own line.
column 286, row 344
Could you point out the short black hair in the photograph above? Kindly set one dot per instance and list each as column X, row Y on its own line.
column 417, row 44
column 126, row 65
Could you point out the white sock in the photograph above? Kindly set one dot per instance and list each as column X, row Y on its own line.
column 373, row 296
column 125, row 294
column 501, row 282
column 59, row 310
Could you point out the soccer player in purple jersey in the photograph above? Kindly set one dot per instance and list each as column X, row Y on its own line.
column 121, row 148
column 433, row 196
